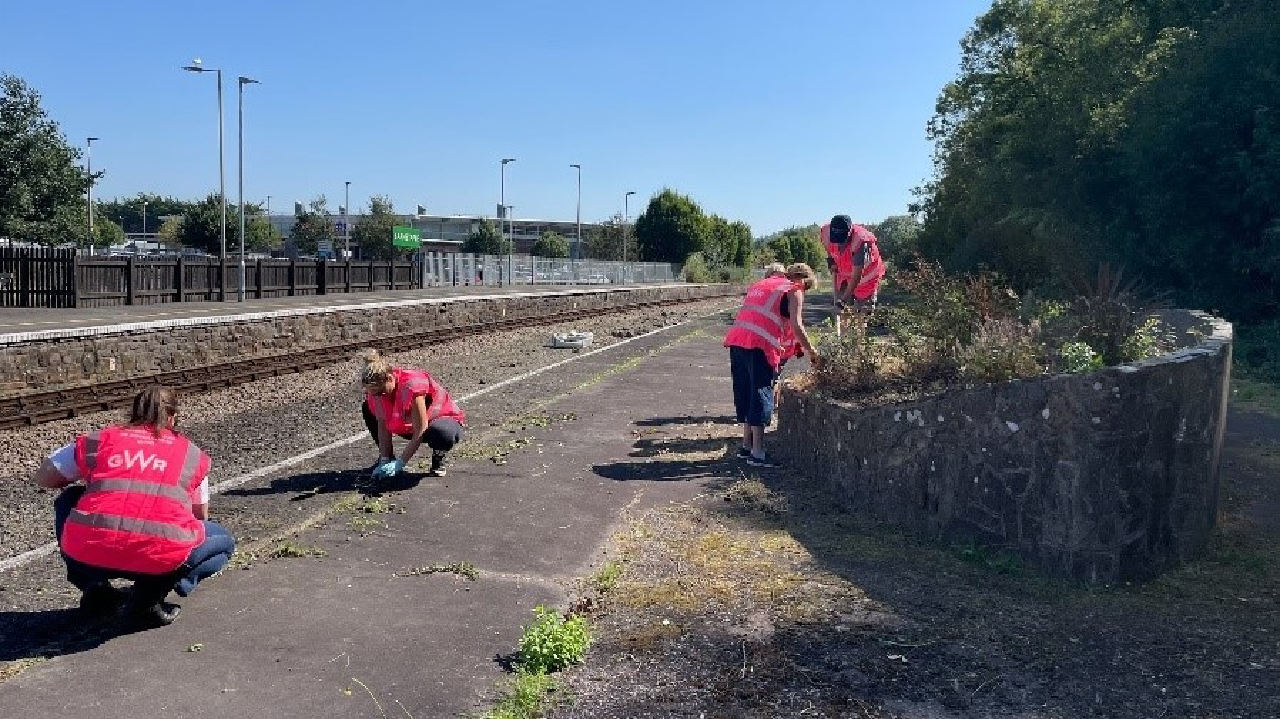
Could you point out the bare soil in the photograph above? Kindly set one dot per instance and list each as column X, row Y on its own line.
column 764, row 599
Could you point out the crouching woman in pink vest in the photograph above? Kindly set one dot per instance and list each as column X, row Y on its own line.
column 770, row 319
column 412, row 405
column 141, row 513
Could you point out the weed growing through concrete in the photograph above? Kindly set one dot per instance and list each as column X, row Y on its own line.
column 365, row 524
column 607, row 578
column 553, row 642
column 462, row 569
column 524, row 697
column 288, row 548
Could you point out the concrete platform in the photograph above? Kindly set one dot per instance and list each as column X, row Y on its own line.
column 19, row 324
column 349, row 635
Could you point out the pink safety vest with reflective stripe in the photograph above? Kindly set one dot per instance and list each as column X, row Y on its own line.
column 759, row 324
column 869, row 282
column 135, row 515
column 840, row 254
column 397, row 410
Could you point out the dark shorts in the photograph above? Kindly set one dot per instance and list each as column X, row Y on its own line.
column 753, row 380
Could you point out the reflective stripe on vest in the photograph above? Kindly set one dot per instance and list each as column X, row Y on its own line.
column 135, row 513
column 91, row 441
column 146, row 527
column 759, row 324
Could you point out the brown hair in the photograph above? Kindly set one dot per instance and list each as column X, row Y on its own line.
column 375, row 367
column 803, row 274
column 154, row 407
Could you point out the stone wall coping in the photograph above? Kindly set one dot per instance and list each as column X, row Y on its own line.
column 349, row 306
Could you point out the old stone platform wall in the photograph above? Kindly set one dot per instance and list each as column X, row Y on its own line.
column 1105, row 476
column 103, row 354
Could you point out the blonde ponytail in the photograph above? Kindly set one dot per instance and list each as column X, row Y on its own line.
column 375, row 368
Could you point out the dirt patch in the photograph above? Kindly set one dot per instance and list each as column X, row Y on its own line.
column 763, row 599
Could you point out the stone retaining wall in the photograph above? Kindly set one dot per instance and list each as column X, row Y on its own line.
column 107, row 354
column 1106, row 476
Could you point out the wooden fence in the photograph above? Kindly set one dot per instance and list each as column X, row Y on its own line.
column 61, row 278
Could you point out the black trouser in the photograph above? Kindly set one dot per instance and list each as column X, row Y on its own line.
column 441, row 434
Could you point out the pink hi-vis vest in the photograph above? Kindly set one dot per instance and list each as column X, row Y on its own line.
column 843, row 256
column 135, row 515
column 396, row 410
column 759, row 324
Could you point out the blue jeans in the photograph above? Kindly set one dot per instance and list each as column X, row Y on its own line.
column 204, row 561
column 753, row 379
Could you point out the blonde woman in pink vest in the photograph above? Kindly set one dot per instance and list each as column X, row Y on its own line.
column 772, row 314
column 135, row 505
column 412, row 405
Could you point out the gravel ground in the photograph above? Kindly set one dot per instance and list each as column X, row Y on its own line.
column 246, row 427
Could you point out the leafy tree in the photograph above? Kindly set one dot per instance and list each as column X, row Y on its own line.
column 313, row 226
column 897, row 236
column 604, row 242
column 260, row 235
column 486, row 240
column 798, row 244
column 551, row 244
column 170, row 231
column 671, row 228
column 728, row 243
column 128, row 212
column 376, row 230
column 1143, row 133
column 202, row 226
column 106, row 232
column 41, row 185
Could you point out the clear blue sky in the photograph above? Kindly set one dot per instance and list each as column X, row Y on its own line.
column 776, row 113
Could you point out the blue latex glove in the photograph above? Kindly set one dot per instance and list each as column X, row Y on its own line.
column 386, row 470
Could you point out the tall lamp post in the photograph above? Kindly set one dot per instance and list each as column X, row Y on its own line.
column 577, row 252
column 346, row 223
column 240, row 83
column 626, row 228
column 502, row 207
column 144, row 221
column 88, row 155
column 195, row 66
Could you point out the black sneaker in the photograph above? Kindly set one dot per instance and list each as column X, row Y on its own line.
column 743, row 453
column 101, row 599
column 438, row 462
column 765, row 462
column 152, row 614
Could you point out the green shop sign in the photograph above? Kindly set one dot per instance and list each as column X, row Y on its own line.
column 406, row 237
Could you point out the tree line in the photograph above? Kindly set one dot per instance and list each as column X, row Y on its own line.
column 1143, row 134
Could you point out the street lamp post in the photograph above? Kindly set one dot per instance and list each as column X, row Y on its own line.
column 626, row 228
column 502, row 206
column 577, row 252
column 195, row 66
column 241, row 81
column 88, row 155
column 144, row 221
column 346, row 223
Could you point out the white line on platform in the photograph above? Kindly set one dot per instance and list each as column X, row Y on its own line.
column 51, row 547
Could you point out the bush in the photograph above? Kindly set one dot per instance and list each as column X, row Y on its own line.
column 553, row 642
column 1078, row 358
column 695, row 268
column 1002, row 349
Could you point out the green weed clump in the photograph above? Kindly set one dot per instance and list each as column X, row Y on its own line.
column 1078, row 358
column 552, row 642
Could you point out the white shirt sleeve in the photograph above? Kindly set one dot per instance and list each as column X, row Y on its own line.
column 64, row 460
column 204, row 491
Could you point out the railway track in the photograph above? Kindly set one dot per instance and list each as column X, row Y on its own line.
column 39, row 407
